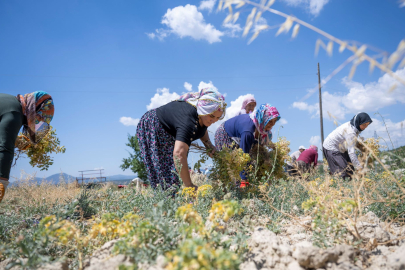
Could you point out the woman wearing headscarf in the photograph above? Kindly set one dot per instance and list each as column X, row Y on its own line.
column 165, row 135
column 248, row 129
column 34, row 111
column 339, row 146
column 248, row 105
column 307, row 158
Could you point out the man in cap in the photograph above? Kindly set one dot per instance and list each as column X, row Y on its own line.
column 291, row 165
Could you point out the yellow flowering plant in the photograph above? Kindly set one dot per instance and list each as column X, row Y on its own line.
column 65, row 233
column 224, row 210
column 269, row 161
column 227, row 165
column 110, row 226
column 197, row 254
column 39, row 154
column 204, row 190
column 368, row 150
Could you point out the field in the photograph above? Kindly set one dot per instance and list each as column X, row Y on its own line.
column 322, row 223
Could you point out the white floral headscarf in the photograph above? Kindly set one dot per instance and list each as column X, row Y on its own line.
column 206, row 101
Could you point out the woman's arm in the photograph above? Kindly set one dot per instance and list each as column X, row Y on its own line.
column 351, row 142
column 180, row 155
column 316, row 160
column 208, row 144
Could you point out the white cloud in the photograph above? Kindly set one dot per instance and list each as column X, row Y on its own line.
column 232, row 110
column 331, row 105
column 374, row 95
column 396, row 132
column 207, row 5
column 360, row 98
column 162, row 97
column 203, row 85
column 315, row 140
column 129, row 121
column 187, row 21
column 160, row 34
column 100, row 168
column 313, row 6
column 232, row 29
column 282, row 121
column 188, row 86
column 303, row 106
column 260, row 22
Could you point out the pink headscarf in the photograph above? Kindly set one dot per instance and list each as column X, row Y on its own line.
column 313, row 147
column 246, row 101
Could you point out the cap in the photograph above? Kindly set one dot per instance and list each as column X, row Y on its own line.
column 301, row 147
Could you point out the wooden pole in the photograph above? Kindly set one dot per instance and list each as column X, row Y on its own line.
column 320, row 105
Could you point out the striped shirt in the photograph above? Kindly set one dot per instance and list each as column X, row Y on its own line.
column 344, row 139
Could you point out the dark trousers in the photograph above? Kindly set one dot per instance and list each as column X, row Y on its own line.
column 303, row 168
column 339, row 163
column 10, row 124
column 292, row 170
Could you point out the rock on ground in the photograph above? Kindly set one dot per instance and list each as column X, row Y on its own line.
column 268, row 251
column 103, row 258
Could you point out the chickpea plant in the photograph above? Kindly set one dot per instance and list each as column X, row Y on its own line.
column 40, row 153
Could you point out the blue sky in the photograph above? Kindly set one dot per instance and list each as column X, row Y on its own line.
column 106, row 62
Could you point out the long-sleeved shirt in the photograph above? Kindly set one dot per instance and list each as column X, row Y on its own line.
column 309, row 156
column 242, row 127
column 294, row 157
column 343, row 139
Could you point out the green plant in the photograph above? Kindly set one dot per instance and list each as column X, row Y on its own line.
column 39, row 154
column 134, row 161
column 199, row 254
column 269, row 161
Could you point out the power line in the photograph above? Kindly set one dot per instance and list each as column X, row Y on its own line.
column 152, row 78
column 140, row 92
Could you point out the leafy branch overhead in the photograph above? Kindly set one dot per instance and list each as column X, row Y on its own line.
column 387, row 63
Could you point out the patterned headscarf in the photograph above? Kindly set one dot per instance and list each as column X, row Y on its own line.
column 38, row 108
column 207, row 101
column 261, row 117
column 313, row 147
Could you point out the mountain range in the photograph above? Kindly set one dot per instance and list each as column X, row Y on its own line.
column 56, row 178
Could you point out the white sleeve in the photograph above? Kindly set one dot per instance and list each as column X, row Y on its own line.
column 351, row 143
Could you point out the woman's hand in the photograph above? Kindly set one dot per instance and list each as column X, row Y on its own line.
column 210, row 149
column 208, row 145
column 22, row 143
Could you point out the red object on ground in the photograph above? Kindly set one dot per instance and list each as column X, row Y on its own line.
column 244, row 184
column 122, row 186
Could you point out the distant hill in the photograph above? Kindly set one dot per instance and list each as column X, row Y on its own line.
column 55, row 178
column 120, row 177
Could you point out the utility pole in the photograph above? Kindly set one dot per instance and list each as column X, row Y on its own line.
column 320, row 105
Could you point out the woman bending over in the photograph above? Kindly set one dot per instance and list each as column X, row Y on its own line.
column 165, row 135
